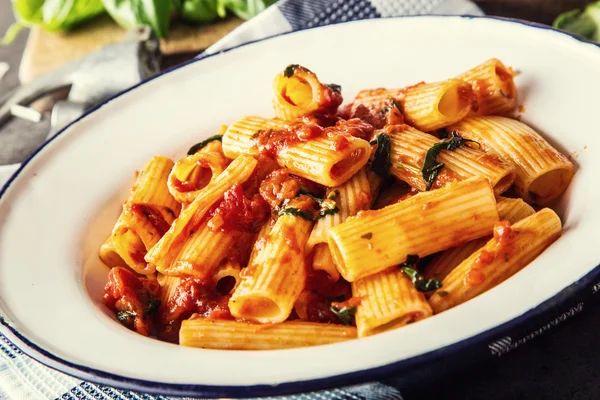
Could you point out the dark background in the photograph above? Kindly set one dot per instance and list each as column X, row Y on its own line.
column 563, row 363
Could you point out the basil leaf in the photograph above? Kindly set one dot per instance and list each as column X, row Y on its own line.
column 586, row 23
column 133, row 13
column 197, row 10
column 289, row 71
column 52, row 15
column 152, row 306
column 336, row 88
column 422, row 285
column 431, row 167
column 199, row 146
column 245, row 9
column 127, row 318
column 381, row 160
column 328, row 211
column 297, row 213
column 345, row 315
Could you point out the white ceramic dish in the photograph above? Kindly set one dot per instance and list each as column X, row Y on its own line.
column 60, row 206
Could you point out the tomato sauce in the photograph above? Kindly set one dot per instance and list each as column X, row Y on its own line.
column 153, row 215
column 183, row 186
column 128, row 293
column 237, row 212
column 191, row 297
column 271, row 141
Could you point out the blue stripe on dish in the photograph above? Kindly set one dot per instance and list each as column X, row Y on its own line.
column 352, row 378
column 314, row 13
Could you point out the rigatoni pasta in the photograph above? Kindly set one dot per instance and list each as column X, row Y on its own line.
column 455, row 215
column 318, row 225
column 511, row 249
column 542, row 172
column 329, row 159
column 494, row 88
column 409, row 148
column 511, row 210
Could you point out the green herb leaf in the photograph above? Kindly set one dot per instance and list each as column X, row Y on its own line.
column 289, row 71
column 328, row 211
column 585, row 24
column 336, row 88
column 199, row 146
column 297, row 213
column 245, row 9
column 127, row 318
column 197, row 10
column 133, row 13
column 381, row 160
column 152, row 307
column 422, row 285
column 431, row 167
column 345, row 315
column 52, row 15
column 333, row 194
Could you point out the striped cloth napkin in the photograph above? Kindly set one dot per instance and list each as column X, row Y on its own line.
column 24, row 378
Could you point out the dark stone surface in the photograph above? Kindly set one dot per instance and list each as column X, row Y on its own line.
column 561, row 364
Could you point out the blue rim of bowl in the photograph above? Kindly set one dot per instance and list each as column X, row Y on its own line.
column 352, row 378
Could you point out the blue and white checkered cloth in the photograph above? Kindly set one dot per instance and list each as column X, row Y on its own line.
column 24, row 378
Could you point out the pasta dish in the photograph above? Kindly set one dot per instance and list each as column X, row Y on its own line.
column 329, row 222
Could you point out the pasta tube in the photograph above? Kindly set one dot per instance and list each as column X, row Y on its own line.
column 297, row 91
column 426, row 106
column 388, row 300
column 276, row 274
column 168, row 247
column 409, row 148
column 109, row 255
column 511, row 210
column 145, row 217
column 421, row 225
column 221, row 334
column 202, row 252
column 192, row 173
column 494, row 88
column 227, row 276
column 542, row 172
column 432, row 106
column 352, row 196
column 509, row 251
column 327, row 159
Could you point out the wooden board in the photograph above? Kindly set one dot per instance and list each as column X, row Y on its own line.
column 46, row 51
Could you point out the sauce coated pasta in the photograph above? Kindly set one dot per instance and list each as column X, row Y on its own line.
column 325, row 222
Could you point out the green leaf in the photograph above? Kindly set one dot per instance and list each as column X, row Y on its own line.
column 64, row 14
column 431, row 167
column 289, row 71
column 381, row 160
column 345, row 315
column 199, row 146
column 133, row 13
column 197, row 10
column 52, row 15
column 245, row 9
column 422, row 285
column 586, row 23
column 127, row 318
column 11, row 33
column 152, row 307
column 297, row 213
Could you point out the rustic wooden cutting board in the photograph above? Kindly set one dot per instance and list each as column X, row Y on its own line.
column 46, row 51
